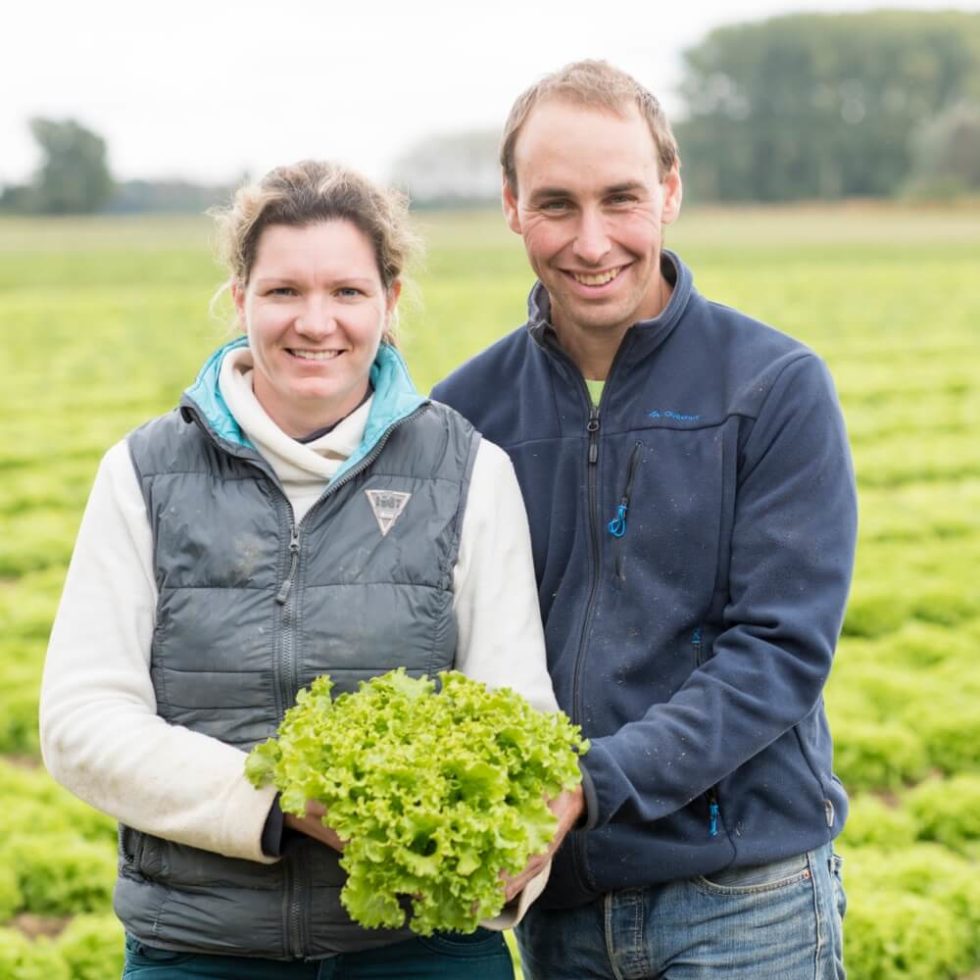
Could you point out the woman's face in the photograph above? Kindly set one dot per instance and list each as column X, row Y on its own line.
column 314, row 310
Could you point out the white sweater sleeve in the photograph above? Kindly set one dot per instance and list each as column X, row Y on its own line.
column 100, row 734
column 501, row 641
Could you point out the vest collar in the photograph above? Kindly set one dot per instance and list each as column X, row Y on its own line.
column 395, row 398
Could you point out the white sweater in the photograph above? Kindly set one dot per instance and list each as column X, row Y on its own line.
column 100, row 733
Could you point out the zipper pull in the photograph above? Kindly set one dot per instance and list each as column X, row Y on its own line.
column 592, row 427
column 287, row 584
column 712, row 814
column 617, row 526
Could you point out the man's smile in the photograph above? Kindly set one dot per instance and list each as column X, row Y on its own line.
column 596, row 278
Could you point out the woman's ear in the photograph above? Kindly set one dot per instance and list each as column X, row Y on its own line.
column 238, row 295
column 393, row 293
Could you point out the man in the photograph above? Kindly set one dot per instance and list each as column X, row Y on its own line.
column 692, row 508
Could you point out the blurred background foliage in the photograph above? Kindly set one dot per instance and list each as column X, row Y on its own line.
column 879, row 104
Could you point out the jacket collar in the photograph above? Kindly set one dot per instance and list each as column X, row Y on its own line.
column 644, row 335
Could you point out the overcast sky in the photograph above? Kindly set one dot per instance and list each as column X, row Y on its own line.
column 206, row 89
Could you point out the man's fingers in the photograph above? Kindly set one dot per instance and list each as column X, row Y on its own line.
column 514, row 886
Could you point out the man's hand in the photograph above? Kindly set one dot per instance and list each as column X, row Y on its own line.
column 312, row 825
column 568, row 807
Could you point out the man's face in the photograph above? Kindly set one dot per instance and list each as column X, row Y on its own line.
column 590, row 205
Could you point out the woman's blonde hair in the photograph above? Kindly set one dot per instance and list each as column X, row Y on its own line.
column 303, row 193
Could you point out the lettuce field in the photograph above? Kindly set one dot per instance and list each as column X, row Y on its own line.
column 103, row 321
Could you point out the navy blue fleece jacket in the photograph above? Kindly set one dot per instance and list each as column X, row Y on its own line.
column 693, row 541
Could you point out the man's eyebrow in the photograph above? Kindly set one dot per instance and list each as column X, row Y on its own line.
column 542, row 193
column 626, row 186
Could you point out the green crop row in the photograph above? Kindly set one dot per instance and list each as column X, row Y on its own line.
column 915, row 514
column 904, row 704
column 90, row 948
column 916, row 913
column 942, row 811
column 939, row 456
column 57, row 870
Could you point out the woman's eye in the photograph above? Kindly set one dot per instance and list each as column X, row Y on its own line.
column 282, row 291
column 349, row 291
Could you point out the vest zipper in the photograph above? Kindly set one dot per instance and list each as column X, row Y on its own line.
column 294, row 942
column 287, row 582
column 288, row 678
column 292, row 888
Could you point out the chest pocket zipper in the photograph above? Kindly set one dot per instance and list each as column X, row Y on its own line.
column 618, row 525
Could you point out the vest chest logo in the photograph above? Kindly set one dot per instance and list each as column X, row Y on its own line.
column 387, row 506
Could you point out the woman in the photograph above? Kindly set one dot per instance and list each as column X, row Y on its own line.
column 303, row 511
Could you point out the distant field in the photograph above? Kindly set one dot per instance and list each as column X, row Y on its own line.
column 104, row 321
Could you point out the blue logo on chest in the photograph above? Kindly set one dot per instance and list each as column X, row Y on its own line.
column 675, row 416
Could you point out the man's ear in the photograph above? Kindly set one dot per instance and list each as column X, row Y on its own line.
column 673, row 195
column 509, row 201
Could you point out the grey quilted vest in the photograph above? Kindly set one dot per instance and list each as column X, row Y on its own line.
column 250, row 610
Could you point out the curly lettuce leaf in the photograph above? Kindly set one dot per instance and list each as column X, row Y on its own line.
column 438, row 789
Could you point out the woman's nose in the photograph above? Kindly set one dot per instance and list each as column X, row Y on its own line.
column 316, row 318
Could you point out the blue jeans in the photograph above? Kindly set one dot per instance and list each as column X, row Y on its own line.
column 779, row 921
column 481, row 956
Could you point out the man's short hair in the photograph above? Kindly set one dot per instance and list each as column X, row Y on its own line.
column 593, row 84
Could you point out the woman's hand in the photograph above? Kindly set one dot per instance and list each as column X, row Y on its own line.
column 313, row 826
column 568, row 807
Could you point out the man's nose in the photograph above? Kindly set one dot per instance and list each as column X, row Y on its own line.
column 592, row 242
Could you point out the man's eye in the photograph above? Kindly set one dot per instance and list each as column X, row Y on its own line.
column 619, row 200
column 282, row 291
column 349, row 291
column 554, row 206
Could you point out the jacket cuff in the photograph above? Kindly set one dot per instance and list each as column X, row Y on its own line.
column 272, row 831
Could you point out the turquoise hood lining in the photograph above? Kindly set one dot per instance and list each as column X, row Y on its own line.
column 205, row 396
column 395, row 398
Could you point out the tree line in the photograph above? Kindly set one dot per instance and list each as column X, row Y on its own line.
column 74, row 178
column 802, row 106
column 831, row 106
